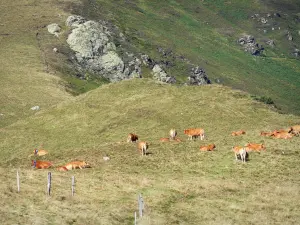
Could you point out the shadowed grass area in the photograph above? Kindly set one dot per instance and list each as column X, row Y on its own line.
column 180, row 184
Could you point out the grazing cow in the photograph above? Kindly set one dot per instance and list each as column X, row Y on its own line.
column 164, row 139
column 77, row 165
column 240, row 152
column 62, row 168
column 295, row 130
column 208, row 147
column 132, row 137
column 173, row 134
column 238, row 133
column 255, row 147
column 194, row 133
column 143, row 147
column 41, row 164
column 283, row 135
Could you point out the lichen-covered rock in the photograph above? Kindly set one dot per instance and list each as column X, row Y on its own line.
column 96, row 52
column 161, row 75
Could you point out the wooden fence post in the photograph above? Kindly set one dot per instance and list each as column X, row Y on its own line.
column 49, row 183
column 141, row 205
column 134, row 218
column 73, row 185
column 18, row 181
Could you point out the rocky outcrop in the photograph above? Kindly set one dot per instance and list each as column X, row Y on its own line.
column 198, row 77
column 96, row 52
column 249, row 44
column 161, row 75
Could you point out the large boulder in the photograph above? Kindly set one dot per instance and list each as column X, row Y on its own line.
column 96, row 52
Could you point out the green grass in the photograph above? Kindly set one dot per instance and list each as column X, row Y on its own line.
column 180, row 184
column 206, row 33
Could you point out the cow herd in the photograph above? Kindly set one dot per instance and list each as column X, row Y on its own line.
column 39, row 164
column 240, row 152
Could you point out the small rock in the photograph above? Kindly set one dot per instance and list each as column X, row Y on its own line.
column 35, row 107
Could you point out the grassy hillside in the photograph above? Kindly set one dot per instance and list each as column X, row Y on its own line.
column 180, row 184
column 26, row 77
column 206, row 33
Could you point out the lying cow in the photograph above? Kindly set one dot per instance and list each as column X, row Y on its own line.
column 283, row 135
column 40, row 152
column 132, row 137
column 164, row 139
column 208, row 147
column 41, row 164
column 254, row 147
column 238, row 133
column 143, row 147
column 240, row 152
column 77, row 165
column 194, row 133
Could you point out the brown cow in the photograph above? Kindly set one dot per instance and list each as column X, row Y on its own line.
column 143, row 147
column 164, row 139
column 208, row 147
column 41, row 164
column 238, row 133
column 173, row 134
column 283, row 135
column 132, row 137
column 194, row 133
column 254, row 147
column 77, row 165
column 267, row 134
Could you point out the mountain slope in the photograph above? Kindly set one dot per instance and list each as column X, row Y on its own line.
column 207, row 33
column 179, row 183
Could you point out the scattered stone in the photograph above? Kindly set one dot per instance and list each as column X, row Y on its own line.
column 55, row 50
column 35, row 107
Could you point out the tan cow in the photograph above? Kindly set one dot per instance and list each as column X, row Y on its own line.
column 164, row 139
column 283, row 135
column 173, row 134
column 77, row 165
column 238, row 133
column 254, row 147
column 132, row 137
column 143, row 147
column 240, row 152
column 208, row 147
column 194, row 133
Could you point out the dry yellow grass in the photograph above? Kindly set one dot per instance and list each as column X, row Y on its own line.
column 180, row 184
